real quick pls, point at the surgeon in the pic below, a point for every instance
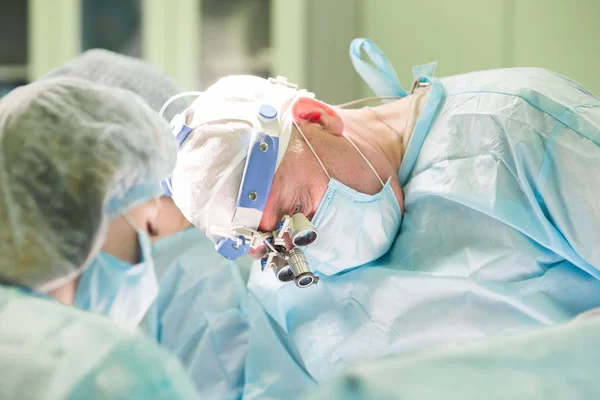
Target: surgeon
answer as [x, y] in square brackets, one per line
[198, 308]
[72, 156]
[459, 209]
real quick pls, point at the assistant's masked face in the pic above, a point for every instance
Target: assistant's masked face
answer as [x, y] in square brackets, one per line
[118, 289]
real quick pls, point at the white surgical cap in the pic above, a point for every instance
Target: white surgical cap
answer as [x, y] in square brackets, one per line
[210, 164]
[116, 70]
[72, 154]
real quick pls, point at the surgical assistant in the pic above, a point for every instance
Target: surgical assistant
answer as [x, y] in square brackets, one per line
[68, 156]
[163, 274]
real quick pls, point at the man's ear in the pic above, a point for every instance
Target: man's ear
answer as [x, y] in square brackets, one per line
[308, 111]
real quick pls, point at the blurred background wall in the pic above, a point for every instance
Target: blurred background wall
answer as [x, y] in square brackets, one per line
[196, 41]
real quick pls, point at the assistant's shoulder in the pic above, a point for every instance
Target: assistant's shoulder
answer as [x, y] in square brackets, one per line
[135, 368]
[78, 355]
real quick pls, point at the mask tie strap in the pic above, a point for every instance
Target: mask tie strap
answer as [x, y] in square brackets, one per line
[364, 158]
[312, 150]
[353, 145]
[367, 99]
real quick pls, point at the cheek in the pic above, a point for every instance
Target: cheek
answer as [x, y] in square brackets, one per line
[316, 195]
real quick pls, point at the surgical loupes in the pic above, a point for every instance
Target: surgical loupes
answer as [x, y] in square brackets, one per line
[291, 265]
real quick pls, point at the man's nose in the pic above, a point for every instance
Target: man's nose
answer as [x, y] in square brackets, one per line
[261, 251]
[258, 252]
[288, 242]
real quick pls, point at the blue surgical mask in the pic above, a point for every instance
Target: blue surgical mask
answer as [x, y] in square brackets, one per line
[354, 228]
[117, 289]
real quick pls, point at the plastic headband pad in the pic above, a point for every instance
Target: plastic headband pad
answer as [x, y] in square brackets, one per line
[259, 172]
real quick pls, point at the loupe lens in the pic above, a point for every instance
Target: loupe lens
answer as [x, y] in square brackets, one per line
[285, 274]
[304, 238]
[305, 281]
[302, 230]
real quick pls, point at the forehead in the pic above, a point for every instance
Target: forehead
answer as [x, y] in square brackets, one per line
[286, 105]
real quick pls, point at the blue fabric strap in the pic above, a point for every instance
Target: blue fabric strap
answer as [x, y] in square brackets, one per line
[379, 73]
[424, 70]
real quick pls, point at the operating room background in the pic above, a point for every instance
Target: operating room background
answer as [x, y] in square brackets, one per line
[196, 41]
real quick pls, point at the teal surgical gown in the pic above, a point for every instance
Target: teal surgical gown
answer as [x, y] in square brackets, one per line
[557, 363]
[200, 314]
[51, 351]
[500, 235]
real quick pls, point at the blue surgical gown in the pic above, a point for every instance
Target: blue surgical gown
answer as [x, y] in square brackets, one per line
[500, 233]
[554, 363]
[51, 351]
[200, 313]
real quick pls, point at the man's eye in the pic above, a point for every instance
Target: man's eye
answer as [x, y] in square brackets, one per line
[298, 207]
